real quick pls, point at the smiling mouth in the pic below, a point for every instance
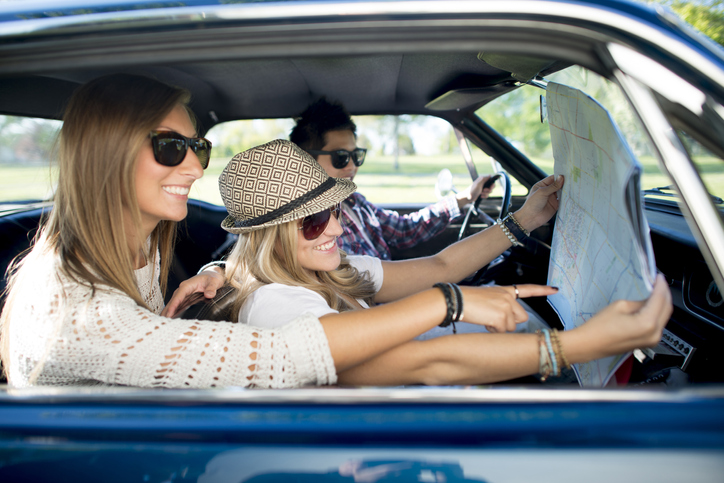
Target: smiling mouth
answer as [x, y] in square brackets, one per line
[325, 247]
[176, 190]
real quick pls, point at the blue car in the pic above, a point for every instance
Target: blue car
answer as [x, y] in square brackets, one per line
[441, 92]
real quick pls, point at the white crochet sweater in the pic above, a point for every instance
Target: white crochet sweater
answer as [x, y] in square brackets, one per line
[61, 333]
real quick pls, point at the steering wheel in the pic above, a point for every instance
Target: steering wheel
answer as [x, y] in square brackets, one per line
[473, 209]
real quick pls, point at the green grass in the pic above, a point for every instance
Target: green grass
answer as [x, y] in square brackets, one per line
[414, 181]
[27, 182]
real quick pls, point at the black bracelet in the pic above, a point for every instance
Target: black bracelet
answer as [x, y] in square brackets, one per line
[515, 229]
[459, 297]
[458, 306]
[447, 292]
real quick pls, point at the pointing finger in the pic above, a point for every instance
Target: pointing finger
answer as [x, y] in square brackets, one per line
[526, 290]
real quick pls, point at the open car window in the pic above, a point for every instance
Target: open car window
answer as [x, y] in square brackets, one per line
[709, 165]
[27, 164]
[405, 155]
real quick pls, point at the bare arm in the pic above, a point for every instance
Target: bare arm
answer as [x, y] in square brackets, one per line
[485, 358]
[402, 278]
[357, 336]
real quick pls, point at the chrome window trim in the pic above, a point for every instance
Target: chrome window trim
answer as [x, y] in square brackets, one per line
[366, 395]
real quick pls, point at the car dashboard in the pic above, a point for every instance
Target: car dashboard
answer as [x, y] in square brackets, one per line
[694, 336]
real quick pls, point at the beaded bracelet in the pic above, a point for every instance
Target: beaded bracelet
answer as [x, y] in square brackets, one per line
[545, 368]
[559, 350]
[513, 240]
[551, 352]
[552, 360]
[515, 228]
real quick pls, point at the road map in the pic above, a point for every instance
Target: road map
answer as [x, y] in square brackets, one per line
[601, 248]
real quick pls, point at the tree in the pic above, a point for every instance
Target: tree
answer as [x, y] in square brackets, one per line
[705, 16]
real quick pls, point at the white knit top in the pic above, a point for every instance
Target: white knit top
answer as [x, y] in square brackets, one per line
[62, 333]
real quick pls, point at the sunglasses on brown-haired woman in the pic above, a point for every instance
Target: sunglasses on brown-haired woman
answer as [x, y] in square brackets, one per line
[170, 147]
[314, 225]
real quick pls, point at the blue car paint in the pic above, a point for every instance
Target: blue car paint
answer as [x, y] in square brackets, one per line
[130, 437]
[328, 434]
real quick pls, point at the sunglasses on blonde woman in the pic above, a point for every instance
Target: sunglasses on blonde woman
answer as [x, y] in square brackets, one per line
[314, 225]
[169, 148]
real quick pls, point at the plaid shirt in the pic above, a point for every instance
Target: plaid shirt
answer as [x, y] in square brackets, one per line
[376, 230]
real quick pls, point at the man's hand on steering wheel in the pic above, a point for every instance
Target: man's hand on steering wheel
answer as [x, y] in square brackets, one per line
[474, 192]
[473, 208]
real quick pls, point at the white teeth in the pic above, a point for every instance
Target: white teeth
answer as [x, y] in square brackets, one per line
[176, 190]
[326, 246]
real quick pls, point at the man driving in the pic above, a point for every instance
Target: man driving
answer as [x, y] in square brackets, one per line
[326, 131]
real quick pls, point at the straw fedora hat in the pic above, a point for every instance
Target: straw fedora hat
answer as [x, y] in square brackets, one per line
[276, 183]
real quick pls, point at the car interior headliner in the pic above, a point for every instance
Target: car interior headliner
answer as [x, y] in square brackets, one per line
[444, 84]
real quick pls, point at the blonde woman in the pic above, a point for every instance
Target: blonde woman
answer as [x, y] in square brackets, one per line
[286, 261]
[85, 306]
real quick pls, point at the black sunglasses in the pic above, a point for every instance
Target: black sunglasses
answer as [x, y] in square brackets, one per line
[341, 157]
[169, 148]
[314, 225]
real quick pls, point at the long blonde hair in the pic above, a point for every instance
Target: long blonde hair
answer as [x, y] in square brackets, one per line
[105, 124]
[269, 255]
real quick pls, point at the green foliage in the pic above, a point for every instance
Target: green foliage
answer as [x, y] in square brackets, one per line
[705, 16]
[234, 137]
[27, 140]
[516, 115]
[377, 133]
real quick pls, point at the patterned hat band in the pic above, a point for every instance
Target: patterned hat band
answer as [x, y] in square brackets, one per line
[289, 207]
[276, 183]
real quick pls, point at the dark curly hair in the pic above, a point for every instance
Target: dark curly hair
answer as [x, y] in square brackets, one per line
[319, 118]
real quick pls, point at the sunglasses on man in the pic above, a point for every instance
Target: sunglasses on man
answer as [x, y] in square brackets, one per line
[314, 225]
[341, 157]
[170, 147]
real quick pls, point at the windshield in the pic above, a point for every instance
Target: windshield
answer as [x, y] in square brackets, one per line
[404, 155]
[529, 135]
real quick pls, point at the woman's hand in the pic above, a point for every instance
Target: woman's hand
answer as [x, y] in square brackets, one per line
[193, 290]
[541, 204]
[623, 326]
[496, 307]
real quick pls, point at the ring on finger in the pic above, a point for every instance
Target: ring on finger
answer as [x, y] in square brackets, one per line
[517, 294]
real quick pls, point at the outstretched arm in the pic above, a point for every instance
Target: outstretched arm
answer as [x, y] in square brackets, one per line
[484, 358]
[357, 336]
[402, 278]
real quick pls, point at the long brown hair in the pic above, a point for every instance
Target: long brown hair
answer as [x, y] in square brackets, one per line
[269, 255]
[105, 124]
